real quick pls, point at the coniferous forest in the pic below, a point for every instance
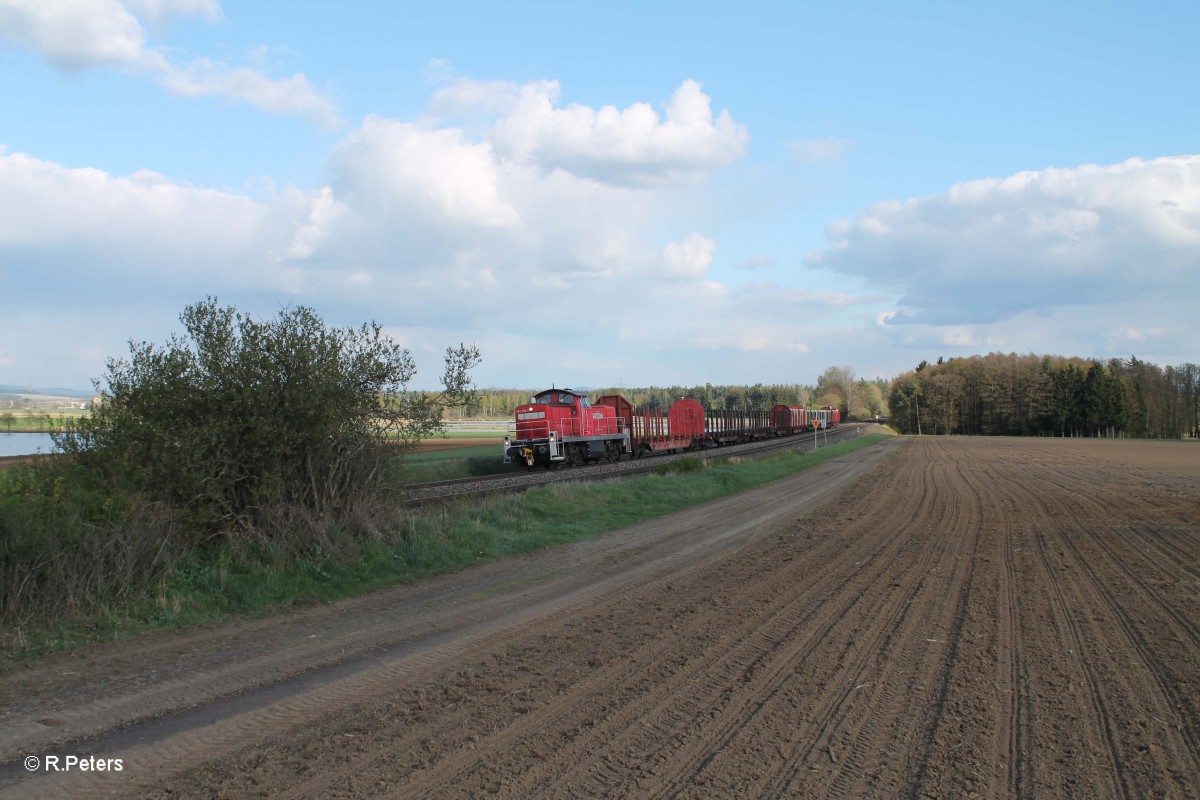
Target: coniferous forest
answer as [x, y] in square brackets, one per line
[1030, 395]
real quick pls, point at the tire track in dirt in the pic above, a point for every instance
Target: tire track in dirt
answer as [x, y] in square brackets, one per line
[745, 652]
[998, 596]
[1012, 672]
[1090, 618]
[1062, 611]
[996, 614]
[897, 660]
[930, 763]
[837, 603]
[1170, 701]
[754, 720]
[1171, 556]
[733, 713]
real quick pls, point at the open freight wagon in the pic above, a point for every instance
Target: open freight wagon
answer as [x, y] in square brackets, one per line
[652, 431]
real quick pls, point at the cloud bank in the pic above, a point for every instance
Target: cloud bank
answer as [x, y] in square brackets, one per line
[989, 250]
[493, 218]
[1095, 260]
[565, 240]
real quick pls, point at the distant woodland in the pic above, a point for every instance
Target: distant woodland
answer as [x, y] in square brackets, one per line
[994, 395]
[837, 386]
[1030, 395]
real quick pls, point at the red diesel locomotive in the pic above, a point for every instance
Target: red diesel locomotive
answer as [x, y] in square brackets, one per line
[560, 425]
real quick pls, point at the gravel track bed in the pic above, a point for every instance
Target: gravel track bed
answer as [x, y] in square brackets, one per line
[521, 480]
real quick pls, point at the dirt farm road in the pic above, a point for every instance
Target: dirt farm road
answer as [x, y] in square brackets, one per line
[925, 618]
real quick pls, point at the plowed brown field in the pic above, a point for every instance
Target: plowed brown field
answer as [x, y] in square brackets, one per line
[926, 618]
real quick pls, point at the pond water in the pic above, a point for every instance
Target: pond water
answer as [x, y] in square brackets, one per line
[25, 444]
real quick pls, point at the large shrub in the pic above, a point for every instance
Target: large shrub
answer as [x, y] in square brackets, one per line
[241, 420]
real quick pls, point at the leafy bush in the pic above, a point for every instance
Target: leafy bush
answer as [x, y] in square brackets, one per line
[240, 421]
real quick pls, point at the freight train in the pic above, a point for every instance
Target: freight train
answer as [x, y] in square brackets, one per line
[562, 426]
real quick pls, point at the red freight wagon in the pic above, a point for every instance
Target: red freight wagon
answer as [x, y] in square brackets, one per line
[788, 419]
[650, 430]
[560, 425]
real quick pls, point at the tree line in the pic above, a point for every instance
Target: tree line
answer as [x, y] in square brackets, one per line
[837, 386]
[1032, 395]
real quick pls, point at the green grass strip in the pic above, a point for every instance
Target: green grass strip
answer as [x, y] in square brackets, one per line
[564, 513]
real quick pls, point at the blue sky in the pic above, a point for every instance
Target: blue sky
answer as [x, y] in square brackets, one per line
[601, 194]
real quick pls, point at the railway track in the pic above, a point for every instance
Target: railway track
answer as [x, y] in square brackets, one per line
[421, 494]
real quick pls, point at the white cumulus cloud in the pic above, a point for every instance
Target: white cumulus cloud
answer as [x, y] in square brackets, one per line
[635, 145]
[78, 34]
[988, 250]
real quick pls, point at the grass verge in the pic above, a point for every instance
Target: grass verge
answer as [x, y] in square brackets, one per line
[460, 462]
[217, 583]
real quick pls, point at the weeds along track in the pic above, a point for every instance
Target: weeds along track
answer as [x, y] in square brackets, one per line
[922, 618]
[520, 480]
